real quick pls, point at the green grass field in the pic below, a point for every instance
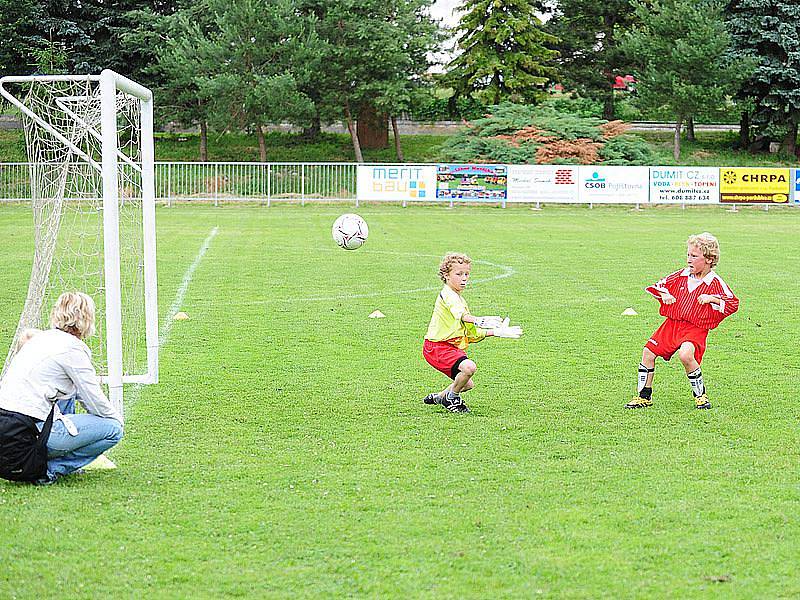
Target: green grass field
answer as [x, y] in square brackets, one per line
[286, 452]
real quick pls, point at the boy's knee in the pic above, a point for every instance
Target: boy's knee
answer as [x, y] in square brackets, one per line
[467, 367]
[648, 355]
[686, 353]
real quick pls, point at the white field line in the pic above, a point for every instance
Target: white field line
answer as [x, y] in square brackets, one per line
[507, 271]
[132, 396]
[169, 319]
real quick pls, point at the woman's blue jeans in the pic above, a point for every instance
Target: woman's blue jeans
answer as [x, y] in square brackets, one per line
[67, 453]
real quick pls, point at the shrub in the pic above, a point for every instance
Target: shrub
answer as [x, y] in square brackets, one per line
[523, 134]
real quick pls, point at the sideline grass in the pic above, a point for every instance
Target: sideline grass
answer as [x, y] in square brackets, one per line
[710, 149]
[281, 147]
[286, 452]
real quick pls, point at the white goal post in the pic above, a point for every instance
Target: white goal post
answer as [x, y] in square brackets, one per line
[90, 146]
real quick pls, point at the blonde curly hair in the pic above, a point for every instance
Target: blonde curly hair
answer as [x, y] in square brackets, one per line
[707, 244]
[74, 313]
[450, 259]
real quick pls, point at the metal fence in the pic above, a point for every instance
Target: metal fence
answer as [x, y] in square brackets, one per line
[265, 183]
[15, 183]
[220, 182]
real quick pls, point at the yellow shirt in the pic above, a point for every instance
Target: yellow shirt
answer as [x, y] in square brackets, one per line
[446, 324]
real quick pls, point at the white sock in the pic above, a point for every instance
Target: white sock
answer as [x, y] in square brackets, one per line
[643, 372]
[696, 380]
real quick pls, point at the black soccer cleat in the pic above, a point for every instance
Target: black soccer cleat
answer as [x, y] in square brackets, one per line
[463, 408]
[455, 404]
[432, 398]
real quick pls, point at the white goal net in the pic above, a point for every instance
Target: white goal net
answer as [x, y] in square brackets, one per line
[90, 146]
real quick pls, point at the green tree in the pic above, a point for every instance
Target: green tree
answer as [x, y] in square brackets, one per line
[769, 31]
[20, 35]
[49, 58]
[179, 67]
[93, 33]
[366, 57]
[504, 52]
[86, 36]
[228, 63]
[138, 33]
[681, 53]
[589, 33]
[253, 45]
[418, 37]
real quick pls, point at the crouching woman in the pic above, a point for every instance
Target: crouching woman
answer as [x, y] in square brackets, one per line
[55, 365]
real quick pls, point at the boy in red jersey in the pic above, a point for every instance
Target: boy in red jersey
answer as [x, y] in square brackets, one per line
[452, 329]
[693, 300]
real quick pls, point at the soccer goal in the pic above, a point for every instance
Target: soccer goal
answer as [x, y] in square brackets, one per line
[90, 146]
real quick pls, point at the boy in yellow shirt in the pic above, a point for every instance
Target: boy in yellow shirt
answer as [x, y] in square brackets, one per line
[451, 330]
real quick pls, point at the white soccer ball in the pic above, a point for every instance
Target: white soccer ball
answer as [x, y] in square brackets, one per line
[350, 231]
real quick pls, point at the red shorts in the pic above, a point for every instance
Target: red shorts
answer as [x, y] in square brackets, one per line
[666, 340]
[443, 357]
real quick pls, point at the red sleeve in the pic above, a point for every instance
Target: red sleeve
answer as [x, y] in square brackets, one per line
[730, 303]
[663, 285]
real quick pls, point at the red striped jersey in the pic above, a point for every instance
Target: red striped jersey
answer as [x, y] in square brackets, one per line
[686, 289]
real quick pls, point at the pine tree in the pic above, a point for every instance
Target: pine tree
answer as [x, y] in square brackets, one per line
[228, 62]
[20, 35]
[589, 32]
[504, 52]
[683, 63]
[769, 31]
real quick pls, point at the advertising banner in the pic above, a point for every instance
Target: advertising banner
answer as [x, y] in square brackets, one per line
[396, 182]
[542, 183]
[599, 184]
[796, 186]
[474, 183]
[754, 185]
[684, 185]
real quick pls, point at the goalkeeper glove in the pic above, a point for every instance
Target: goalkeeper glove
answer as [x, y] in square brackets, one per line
[488, 322]
[507, 331]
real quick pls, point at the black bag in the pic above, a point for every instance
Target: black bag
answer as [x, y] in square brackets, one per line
[23, 449]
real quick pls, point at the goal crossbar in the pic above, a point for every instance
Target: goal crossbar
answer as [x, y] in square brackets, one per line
[120, 82]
